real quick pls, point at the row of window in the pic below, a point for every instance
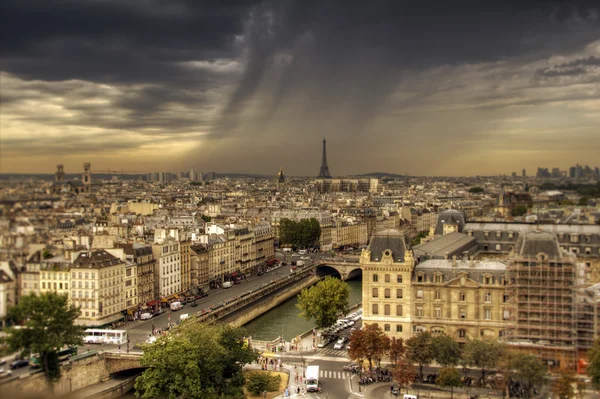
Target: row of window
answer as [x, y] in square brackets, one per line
[437, 278]
[387, 278]
[386, 309]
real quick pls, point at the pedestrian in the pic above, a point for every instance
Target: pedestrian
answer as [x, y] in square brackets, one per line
[119, 348]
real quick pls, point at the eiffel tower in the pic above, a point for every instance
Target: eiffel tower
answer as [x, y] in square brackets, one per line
[324, 172]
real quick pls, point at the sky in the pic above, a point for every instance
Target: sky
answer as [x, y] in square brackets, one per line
[419, 88]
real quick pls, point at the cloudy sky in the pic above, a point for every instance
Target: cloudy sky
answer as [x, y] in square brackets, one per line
[424, 88]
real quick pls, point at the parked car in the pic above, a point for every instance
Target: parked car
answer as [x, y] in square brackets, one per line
[146, 316]
[194, 304]
[17, 364]
[158, 312]
[339, 344]
[5, 373]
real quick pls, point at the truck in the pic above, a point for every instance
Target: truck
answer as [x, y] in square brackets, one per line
[176, 306]
[227, 284]
[300, 263]
[312, 379]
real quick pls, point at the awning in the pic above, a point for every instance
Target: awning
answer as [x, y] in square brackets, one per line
[234, 274]
[153, 303]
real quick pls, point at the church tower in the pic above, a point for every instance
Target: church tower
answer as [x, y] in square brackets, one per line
[280, 179]
[87, 177]
[60, 173]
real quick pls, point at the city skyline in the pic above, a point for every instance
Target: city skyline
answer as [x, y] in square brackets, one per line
[460, 88]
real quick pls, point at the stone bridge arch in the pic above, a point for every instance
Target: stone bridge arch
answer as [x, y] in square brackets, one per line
[343, 270]
[119, 362]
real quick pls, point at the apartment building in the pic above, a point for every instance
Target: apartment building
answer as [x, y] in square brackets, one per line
[97, 281]
[263, 242]
[345, 233]
[184, 248]
[167, 268]
[54, 274]
[199, 267]
[221, 257]
[143, 257]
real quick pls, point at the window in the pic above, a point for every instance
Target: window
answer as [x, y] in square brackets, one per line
[461, 296]
[462, 312]
[386, 310]
[462, 334]
[375, 293]
[387, 293]
[438, 278]
[399, 293]
[419, 294]
[386, 327]
[498, 247]
[399, 278]
[438, 295]
[43, 285]
[375, 309]
[419, 311]
[487, 297]
[487, 314]
[505, 298]
[419, 278]
[375, 278]
[398, 310]
[488, 280]
[438, 313]
[399, 328]
[574, 238]
[387, 278]
[502, 333]
[506, 314]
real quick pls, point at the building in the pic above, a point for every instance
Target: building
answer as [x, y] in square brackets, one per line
[143, 257]
[345, 233]
[387, 268]
[184, 248]
[324, 170]
[264, 244]
[8, 295]
[97, 287]
[199, 266]
[347, 185]
[167, 269]
[280, 179]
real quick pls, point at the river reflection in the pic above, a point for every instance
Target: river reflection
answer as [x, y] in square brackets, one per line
[284, 320]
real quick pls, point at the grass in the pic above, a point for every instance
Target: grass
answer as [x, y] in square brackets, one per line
[270, 395]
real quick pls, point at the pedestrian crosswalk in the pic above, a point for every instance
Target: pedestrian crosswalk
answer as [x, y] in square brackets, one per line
[339, 375]
[333, 352]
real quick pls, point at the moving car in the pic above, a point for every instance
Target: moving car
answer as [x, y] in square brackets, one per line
[340, 343]
[17, 364]
[194, 304]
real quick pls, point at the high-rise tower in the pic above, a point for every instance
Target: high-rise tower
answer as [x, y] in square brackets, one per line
[324, 172]
[87, 177]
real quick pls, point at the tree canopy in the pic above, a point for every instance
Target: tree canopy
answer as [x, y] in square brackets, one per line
[519, 210]
[528, 370]
[419, 350]
[476, 190]
[324, 301]
[196, 360]
[449, 377]
[446, 349]
[369, 343]
[48, 322]
[483, 354]
[304, 234]
[593, 369]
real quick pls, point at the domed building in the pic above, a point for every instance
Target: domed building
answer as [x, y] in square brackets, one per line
[280, 179]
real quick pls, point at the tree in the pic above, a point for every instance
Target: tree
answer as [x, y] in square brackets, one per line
[369, 343]
[563, 385]
[48, 322]
[583, 201]
[324, 301]
[305, 233]
[206, 218]
[259, 382]
[397, 350]
[446, 349]
[519, 210]
[593, 368]
[483, 354]
[476, 190]
[419, 350]
[196, 360]
[528, 371]
[404, 373]
[449, 377]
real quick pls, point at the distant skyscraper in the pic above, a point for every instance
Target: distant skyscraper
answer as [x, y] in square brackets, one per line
[524, 173]
[324, 172]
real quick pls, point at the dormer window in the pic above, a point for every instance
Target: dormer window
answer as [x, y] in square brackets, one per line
[438, 278]
[488, 280]
[420, 278]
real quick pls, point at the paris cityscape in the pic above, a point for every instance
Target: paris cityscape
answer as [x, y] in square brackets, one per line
[299, 199]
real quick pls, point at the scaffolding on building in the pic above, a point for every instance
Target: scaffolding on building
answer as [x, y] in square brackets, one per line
[542, 308]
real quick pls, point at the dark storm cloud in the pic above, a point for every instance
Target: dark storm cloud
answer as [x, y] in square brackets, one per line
[575, 68]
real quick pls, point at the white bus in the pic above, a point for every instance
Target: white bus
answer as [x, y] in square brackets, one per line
[97, 336]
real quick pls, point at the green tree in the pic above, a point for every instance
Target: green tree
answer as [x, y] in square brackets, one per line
[528, 371]
[419, 350]
[567, 202]
[449, 377]
[563, 385]
[476, 190]
[369, 343]
[206, 218]
[583, 201]
[196, 360]
[304, 234]
[417, 239]
[483, 354]
[446, 349]
[259, 382]
[519, 210]
[48, 322]
[324, 301]
[593, 368]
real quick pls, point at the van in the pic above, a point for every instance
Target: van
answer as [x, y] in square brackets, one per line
[176, 306]
[409, 396]
[146, 316]
[227, 284]
[287, 249]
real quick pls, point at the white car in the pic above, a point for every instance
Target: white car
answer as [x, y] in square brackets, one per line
[151, 340]
[146, 316]
[339, 344]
